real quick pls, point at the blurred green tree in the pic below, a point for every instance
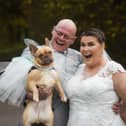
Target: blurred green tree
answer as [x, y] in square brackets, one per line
[35, 19]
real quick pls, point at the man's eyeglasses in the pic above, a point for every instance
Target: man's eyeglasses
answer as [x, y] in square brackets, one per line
[59, 33]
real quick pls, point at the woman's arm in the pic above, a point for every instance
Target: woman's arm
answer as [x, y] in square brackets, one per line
[119, 79]
[120, 87]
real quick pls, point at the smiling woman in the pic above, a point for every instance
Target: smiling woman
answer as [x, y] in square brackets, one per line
[92, 48]
[91, 91]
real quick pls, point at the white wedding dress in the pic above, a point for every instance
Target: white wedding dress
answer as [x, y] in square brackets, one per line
[91, 99]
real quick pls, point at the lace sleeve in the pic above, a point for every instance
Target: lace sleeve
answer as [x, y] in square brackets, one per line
[115, 67]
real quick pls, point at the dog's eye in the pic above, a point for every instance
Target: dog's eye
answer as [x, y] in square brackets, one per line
[49, 52]
[40, 56]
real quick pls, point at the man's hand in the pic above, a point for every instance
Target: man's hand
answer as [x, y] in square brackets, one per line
[120, 108]
[117, 107]
[29, 96]
[43, 93]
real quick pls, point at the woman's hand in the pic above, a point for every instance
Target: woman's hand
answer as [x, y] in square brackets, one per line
[117, 107]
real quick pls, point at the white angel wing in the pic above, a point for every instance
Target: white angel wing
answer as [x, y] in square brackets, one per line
[26, 51]
[28, 41]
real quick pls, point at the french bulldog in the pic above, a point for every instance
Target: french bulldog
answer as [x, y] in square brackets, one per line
[43, 76]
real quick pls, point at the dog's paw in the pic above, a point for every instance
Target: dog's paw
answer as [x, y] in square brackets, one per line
[64, 98]
[35, 99]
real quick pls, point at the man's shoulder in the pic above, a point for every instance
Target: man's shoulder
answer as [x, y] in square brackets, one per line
[73, 51]
[74, 54]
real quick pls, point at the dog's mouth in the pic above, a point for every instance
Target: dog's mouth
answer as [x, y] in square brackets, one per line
[46, 61]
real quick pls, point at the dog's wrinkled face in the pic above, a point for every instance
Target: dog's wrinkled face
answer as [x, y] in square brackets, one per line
[43, 56]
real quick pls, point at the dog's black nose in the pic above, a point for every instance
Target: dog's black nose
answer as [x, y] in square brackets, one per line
[46, 60]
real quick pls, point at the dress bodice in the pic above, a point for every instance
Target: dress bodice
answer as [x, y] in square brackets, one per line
[91, 98]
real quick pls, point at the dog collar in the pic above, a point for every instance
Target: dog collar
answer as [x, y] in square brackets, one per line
[41, 68]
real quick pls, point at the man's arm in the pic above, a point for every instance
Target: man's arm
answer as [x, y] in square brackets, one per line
[123, 111]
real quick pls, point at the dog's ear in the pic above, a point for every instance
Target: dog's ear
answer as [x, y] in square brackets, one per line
[33, 49]
[46, 41]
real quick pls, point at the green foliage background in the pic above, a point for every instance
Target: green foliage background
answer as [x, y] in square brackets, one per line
[35, 19]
